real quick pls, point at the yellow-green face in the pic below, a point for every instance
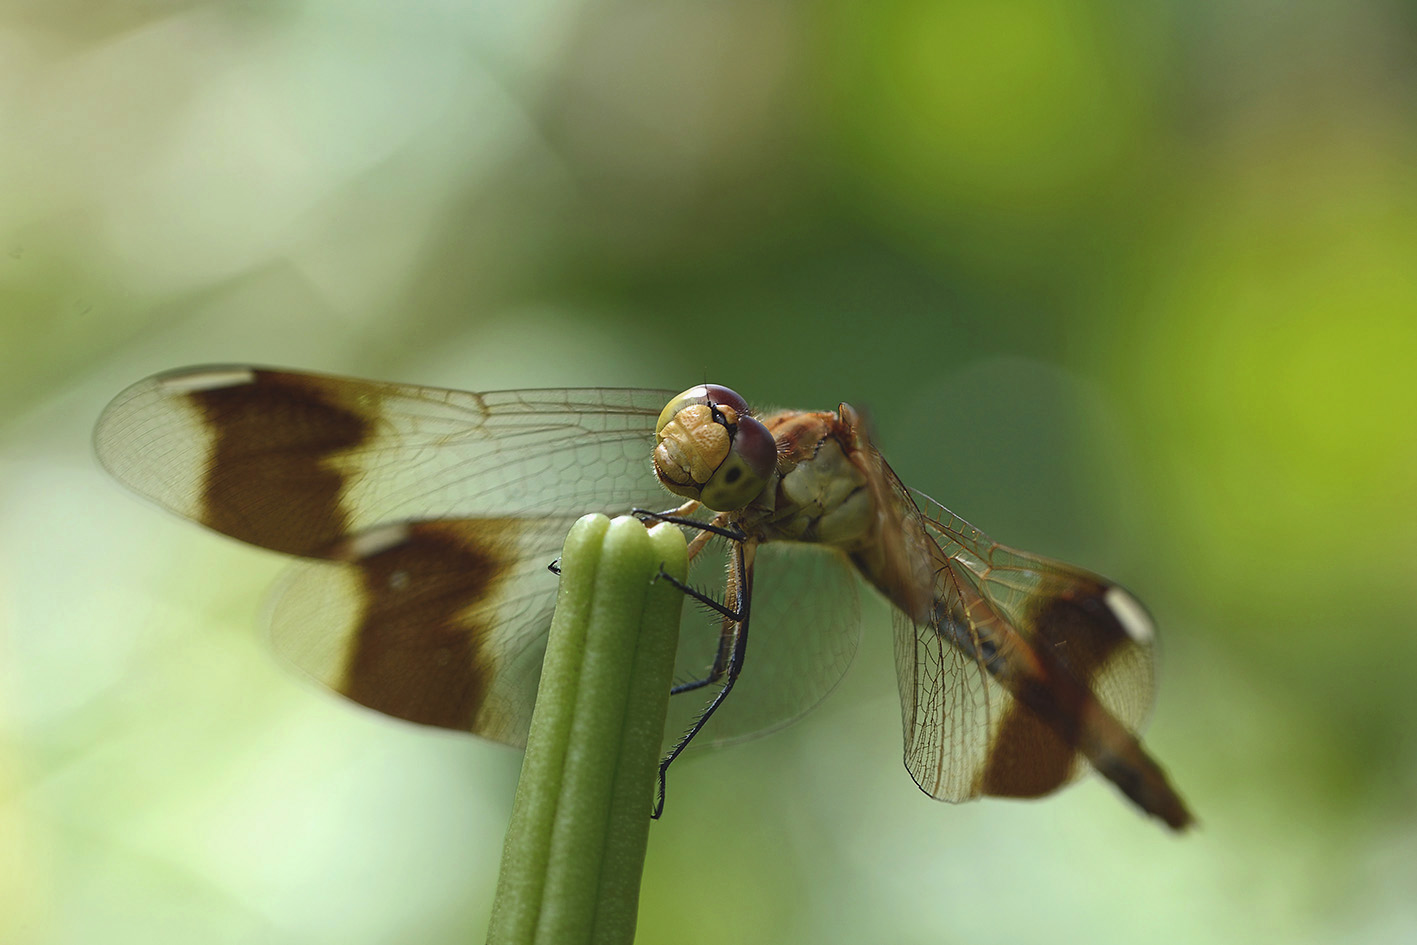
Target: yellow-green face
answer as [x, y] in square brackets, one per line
[710, 448]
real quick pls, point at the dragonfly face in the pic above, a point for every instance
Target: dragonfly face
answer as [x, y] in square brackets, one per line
[709, 448]
[424, 519]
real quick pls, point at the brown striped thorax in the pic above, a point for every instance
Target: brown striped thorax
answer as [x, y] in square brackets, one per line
[823, 492]
[422, 521]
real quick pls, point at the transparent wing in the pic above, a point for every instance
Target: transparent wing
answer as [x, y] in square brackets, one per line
[444, 623]
[948, 701]
[296, 462]
[430, 514]
[804, 628]
[1028, 589]
[965, 733]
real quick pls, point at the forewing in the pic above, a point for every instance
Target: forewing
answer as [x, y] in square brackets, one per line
[298, 462]
[804, 627]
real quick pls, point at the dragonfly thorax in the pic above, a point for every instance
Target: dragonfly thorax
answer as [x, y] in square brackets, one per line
[824, 499]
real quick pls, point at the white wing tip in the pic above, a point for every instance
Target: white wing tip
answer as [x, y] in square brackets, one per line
[1131, 615]
[183, 382]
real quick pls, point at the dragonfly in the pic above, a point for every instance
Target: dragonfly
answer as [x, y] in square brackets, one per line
[423, 521]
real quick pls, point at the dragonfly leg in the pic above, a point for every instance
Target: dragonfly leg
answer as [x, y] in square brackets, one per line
[725, 642]
[698, 595]
[732, 645]
[730, 532]
[723, 657]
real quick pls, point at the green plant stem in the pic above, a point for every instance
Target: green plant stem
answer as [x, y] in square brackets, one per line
[575, 847]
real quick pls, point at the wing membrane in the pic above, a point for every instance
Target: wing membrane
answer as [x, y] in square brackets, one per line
[1097, 629]
[428, 516]
[440, 622]
[805, 628]
[297, 462]
[1025, 669]
[444, 623]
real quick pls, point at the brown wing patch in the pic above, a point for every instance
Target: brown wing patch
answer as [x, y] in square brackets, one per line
[1076, 624]
[441, 622]
[416, 652]
[268, 477]
[1029, 758]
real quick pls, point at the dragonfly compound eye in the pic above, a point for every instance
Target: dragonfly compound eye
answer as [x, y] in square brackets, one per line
[709, 448]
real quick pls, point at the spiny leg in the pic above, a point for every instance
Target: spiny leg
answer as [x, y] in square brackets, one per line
[732, 645]
[720, 526]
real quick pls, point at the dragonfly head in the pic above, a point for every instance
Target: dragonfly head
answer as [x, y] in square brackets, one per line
[709, 447]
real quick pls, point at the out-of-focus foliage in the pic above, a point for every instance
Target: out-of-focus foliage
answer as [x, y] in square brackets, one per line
[1132, 284]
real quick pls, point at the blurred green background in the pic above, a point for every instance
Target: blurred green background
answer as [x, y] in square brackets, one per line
[1130, 284]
